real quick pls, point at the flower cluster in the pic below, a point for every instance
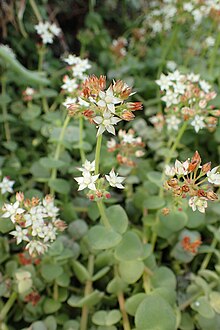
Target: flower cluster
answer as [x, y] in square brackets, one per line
[71, 83]
[6, 185]
[47, 31]
[191, 179]
[97, 187]
[128, 148]
[199, 10]
[186, 97]
[118, 47]
[35, 222]
[106, 107]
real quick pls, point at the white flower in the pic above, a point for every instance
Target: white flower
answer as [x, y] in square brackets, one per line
[20, 234]
[115, 180]
[106, 123]
[87, 166]
[83, 103]
[12, 210]
[171, 65]
[49, 208]
[36, 247]
[214, 176]
[108, 100]
[54, 29]
[188, 6]
[169, 170]
[193, 77]
[47, 31]
[164, 82]
[181, 168]
[68, 101]
[47, 38]
[205, 86]
[6, 185]
[71, 59]
[173, 123]
[87, 181]
[199, 203]
[35, 215]
[49, 233]
[170, 98]
[29, 91]
[69, 84]
[41, 27]
[111, 143]
[209, 41]
[198, 123]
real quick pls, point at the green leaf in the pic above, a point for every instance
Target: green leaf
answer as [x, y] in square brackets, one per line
[48, 162]
[174, 221]
[130, 248]
[81, 272]
[60, 185]
[117, 218]
[71, 325]
[153, 202]
[89, 300]
[154, 313]
[100, 273]
[106, 318]
[38, 325]
[133, 302]
[195, 219]
[155, 177]
[6, 225]
[51, 306]
[214, 299]
[50, 272]
[51, 323]
[131, 271]
[116, 285]
[31, 113]
[63, 280]
[101, 238]
[203, 307]
[164, 277]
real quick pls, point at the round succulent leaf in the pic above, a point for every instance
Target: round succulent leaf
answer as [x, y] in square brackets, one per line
[51, 323]
[186, 322]
[195, 219]
[71, 324]
[153, 202]
[163, 277]
[155, 313]
[214, 299]
[106, 318]
[130, 247]
[51, 306]
[168, 294]
[133, 302]
[50, 272]
[174, 221]
[116, 285]
[77, 229]
[39, 325]
[80, 271]
[60, 185]
[131, 271]
[101, 238]
[48, 162]
[203, 307]
[155, 177]
[118, 218]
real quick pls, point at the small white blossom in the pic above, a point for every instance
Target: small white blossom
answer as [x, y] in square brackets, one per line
[87, 181]
[171, 65]
[20, 234]
[87, 166]
[12, 210]
[83, 103]
[169, 170]
[115, 180]
[6, 185]
[170, 98]
[47, 31]
[205, 86]
[108, 100]
[68, 101]
[199, 203]
[69, 84]
[29, 91]
[111, 143]
[214, 176]
[173, 123]
[164, 82]
[36, 247]
[181, 168]
[209, 42]
[106, 123]
[198, 123]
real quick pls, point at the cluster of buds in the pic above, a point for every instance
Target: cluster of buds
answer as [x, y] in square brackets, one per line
[191, 179]
[36, 222]
[71, 83]
[106, 107]
[190, 246]
[186, 98]
[118, 47]
[28, 94]
[128, 147]
[97, 186]
[6, 185]
[47, 31]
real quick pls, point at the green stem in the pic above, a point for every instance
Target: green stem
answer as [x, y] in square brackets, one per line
[4, 111]
[208, 255]
[82, 153]
[41, 53]
[58, 148]
[6, 308]
[102, 212]
[97, 153]
[121, 300]
[214, 55]
[88, 290]
[35, 10]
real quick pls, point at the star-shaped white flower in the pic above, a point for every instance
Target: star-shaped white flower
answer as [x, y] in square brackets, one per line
[199, 203]
[87, 166]
[108, 100]
[87, 181]
[181, 168]
[115, 180]
[20, 234]
[106, 123]
[6, 185]
[12, 210]
[214, 176]
[198, 123]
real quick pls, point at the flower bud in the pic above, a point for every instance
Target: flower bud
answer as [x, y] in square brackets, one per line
[19, 196]
[211, 196]
[206, 167]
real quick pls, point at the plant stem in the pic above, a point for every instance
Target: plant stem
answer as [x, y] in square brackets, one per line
[82, 153]
[6, 308]
[35, 10]
[102, 212]
[41, 53]
[121, 300]
[97, 153]
[4, 111]
[208, 255]
[88, 290]
[58, 148]
[214, 55]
